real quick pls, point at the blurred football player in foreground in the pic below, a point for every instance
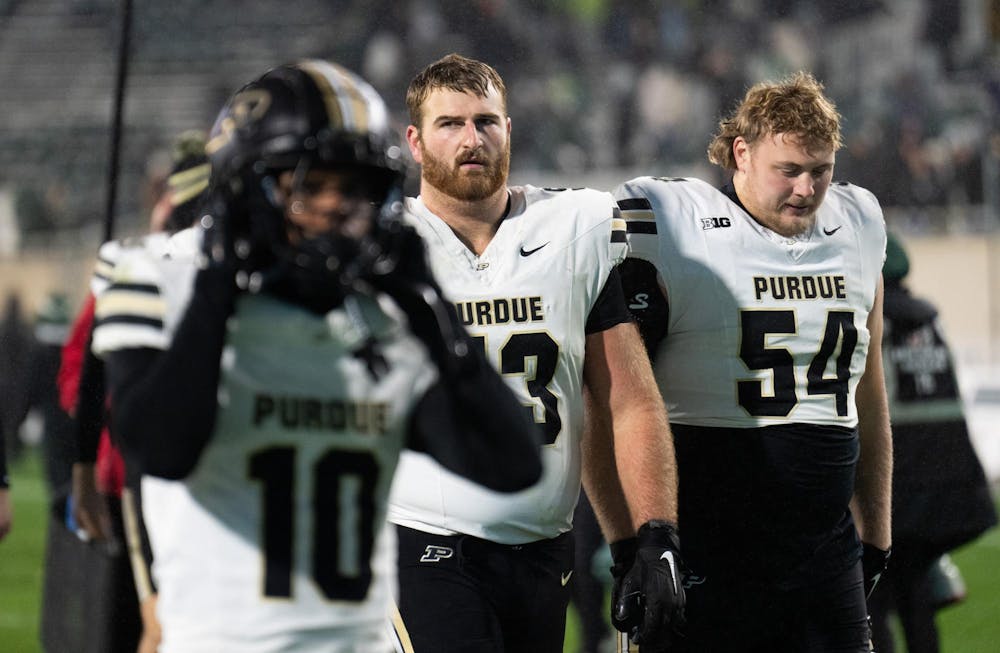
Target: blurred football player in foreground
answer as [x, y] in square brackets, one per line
[279, 368]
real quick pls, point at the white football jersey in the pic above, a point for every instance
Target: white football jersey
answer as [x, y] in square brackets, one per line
[526, 299]
[111, 251]
[763, 329]
[277, 539]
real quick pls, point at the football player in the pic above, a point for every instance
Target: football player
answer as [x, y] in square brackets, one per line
[532, 272]
[278, 373]
[761, 304]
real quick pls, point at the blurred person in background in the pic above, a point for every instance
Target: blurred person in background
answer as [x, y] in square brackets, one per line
[6, 510]
[51, 329]
[16, 345]
[104, 505]
[940, 495]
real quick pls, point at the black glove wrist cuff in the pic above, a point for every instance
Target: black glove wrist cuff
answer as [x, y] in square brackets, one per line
[875, 557]
[623, 551]
[658, 532]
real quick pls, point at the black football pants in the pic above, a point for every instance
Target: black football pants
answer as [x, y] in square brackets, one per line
[826, 617]
[461, 594]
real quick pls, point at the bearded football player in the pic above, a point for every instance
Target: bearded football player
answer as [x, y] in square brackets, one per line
[533, 272]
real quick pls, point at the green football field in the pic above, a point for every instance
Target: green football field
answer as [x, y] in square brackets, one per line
[970, 627]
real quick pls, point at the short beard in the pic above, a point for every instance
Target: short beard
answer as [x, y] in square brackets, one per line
[468, 187]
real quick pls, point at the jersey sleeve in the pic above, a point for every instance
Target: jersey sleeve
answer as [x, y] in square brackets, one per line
[132, 310]
[107, 258]
[647, 303]
[161, 329]
[608, 309]
[640, 220]
[642, 280]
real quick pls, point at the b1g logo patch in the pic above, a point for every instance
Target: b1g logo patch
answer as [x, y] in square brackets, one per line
[434, 553]
[715, 223]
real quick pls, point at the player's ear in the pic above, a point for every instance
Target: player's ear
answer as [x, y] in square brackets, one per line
[741, 152]
[413, 140]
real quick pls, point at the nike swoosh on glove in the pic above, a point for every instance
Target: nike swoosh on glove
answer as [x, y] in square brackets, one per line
[650, 603]
[873, 564]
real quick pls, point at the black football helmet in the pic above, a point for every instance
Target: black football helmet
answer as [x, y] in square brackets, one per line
[297, 117]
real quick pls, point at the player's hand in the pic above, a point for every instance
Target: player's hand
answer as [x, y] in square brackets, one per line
[90, 509]
[432, 318]
[217, 241]
[873, 563]
[626, 613]
[650, 602]
[151, 632]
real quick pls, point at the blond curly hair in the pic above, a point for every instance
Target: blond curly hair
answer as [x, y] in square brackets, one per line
[795, 105]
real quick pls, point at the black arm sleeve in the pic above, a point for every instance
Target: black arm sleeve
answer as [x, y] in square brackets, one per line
[609, 309]
[89, 406]
[646, 302]
[164, 403]
[475, 427]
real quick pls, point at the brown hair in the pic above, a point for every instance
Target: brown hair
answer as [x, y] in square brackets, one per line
[795, 105]
[456, 73]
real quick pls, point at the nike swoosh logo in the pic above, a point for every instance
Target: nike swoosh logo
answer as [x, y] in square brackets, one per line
[564, 577]
[830, 232]
[529, 252]
[669, 557]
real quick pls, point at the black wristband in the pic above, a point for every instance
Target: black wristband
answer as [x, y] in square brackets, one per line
[658, 532]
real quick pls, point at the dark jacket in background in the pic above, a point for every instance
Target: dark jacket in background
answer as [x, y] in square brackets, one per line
[941, 498]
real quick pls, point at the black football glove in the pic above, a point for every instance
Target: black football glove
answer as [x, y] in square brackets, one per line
[650, 602]
[622, 559]
[432, 318]
[873, 563]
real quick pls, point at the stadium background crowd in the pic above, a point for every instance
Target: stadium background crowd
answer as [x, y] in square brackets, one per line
[600, 91]
[598, 88]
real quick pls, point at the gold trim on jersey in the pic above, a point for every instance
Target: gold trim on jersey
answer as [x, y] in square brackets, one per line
[117, 301]
[103, 269]
[619, 229]
[636, 209]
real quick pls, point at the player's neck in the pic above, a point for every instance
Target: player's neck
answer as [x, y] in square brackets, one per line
[475, 222]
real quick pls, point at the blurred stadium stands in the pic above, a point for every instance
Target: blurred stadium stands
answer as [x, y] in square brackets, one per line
[599, 91]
